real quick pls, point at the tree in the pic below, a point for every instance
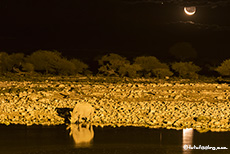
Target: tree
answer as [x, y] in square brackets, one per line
[80, 67]
[4, 58]
[224, 68]
[44, 61]
[15, 60]
[65, 67]
[8, 62]
[151, 66]
[183, 51]
[129, 70]
[50, 62]
[27, 67]
[186, 69]
[162, 72]
[111, 64]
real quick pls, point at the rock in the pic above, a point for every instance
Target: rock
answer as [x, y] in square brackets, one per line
[151, 104]
[202, 130]
[219, 97]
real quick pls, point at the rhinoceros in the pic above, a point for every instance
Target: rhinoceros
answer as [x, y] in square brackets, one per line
[80, 111]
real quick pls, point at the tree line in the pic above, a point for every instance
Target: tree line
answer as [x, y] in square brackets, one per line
[52, 62]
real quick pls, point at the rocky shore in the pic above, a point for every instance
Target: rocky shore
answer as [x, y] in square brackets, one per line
[137, 102]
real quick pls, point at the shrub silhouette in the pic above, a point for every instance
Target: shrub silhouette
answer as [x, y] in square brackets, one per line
[112, 64]
[44, 61]
[80, 67]
[129, 70]
[186, 69]
[65, 67]
[162, 72]
[224, 68]
[50, 62]
[151, 66]
[9, 62]
[27, 67]
[4, 58]
[15, 60]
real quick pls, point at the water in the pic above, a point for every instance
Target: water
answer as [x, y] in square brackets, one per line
[16, 139]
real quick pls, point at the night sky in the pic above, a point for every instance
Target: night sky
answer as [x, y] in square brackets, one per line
[85, 29]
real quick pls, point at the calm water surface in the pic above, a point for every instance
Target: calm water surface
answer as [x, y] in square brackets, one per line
[16, 139]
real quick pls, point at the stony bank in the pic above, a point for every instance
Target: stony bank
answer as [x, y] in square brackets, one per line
[137, 102]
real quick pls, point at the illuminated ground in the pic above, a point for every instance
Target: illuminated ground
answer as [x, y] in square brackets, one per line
[119, 102]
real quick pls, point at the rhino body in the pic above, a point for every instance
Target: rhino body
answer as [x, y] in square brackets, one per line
[80, 111]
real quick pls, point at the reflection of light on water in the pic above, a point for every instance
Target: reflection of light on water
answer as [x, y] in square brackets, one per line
[82, 134]
[187, 138]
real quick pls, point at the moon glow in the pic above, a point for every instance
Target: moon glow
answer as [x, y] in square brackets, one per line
[190, 10]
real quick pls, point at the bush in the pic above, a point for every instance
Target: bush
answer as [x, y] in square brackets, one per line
[112, 64]
[129, 70]
[44, 61]
[162, 72]
[8, 62]
[27, 67]
[15, 60]
[151, 66]
[4, 58]
[50, 62]
[80, 67]
[186, 69]
[65, 67]
[224, 68]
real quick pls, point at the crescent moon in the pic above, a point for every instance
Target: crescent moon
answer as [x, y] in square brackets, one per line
[190, 10]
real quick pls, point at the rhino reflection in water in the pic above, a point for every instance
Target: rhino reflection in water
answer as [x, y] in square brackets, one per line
[82, 110]
[82, 134]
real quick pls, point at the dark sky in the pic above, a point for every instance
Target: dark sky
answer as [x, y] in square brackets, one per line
[84, 28]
